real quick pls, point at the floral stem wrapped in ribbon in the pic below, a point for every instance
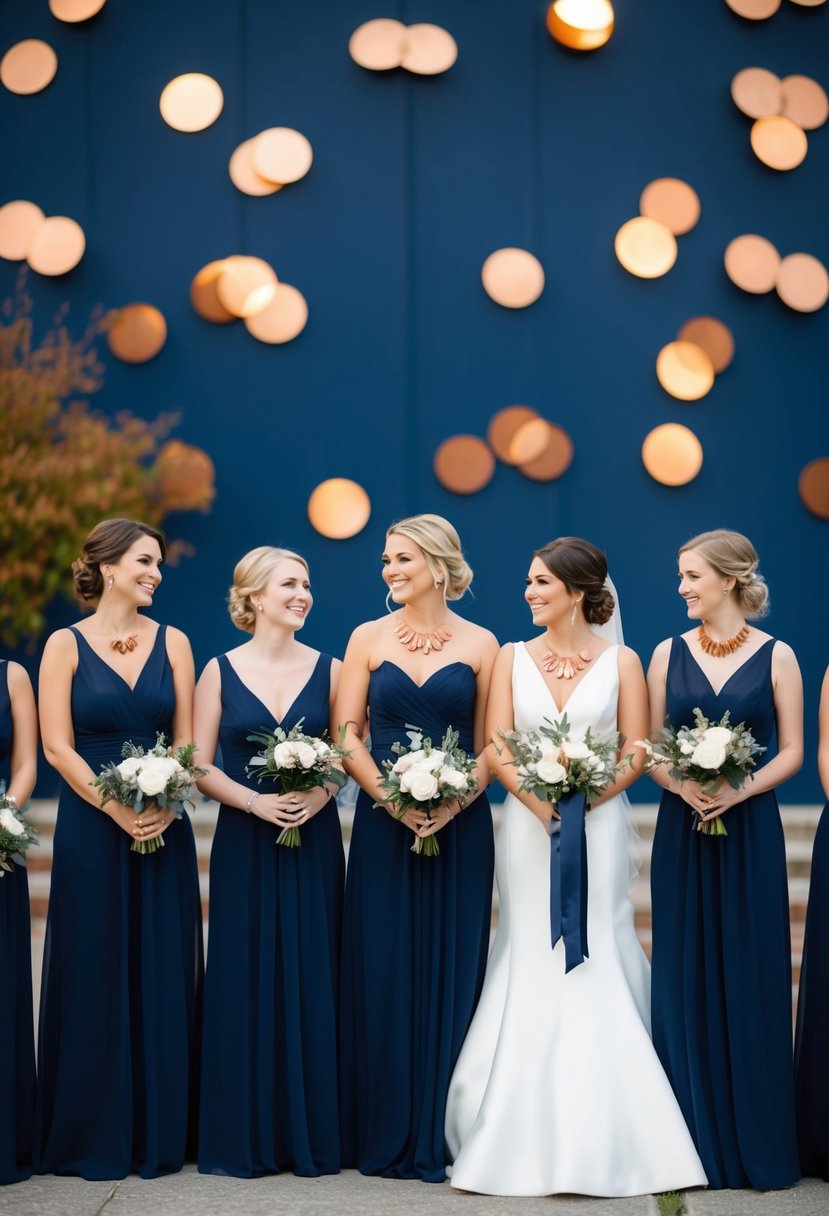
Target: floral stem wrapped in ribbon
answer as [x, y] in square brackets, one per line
[425, 777]
[708, 753]
[567, 771]
[15, 834]
[299, 763]
[161, 776]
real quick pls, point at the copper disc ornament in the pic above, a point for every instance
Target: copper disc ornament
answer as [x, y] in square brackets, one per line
[645, 247]
[752, 262]
[378, 45]
[72, 11]
[204, 295]
[283, 319]
[137, 333]
[685, 370]
[672, 202]
[246, 285]
[804, 101]
[191, 102]
[555, 458]
[504, 426]
[513, 278]
[672, 454]
[282, 155]
[429, 50]
[754, 10]
[802, 282]
[339, 508]
[244, 176]
[581, 25]
[57, 246]
[464, 464]
[715, 338]
[779, 143]
[28, 67]
[757, 92]
[813, 487]
[19, 221]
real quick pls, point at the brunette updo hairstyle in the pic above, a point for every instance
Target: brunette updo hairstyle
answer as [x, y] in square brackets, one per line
[250, 577]
[106, 545]
[441, 547]
[581, 567]
[733, 556]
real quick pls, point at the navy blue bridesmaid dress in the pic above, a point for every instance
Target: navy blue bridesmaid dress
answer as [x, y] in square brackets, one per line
[269, 1063]
[17, 1090]
[812, 1039]
[122, 968]
[721, 978]
[415, 942]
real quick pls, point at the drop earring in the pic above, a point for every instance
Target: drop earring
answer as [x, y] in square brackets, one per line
[573, 617]
[110, 582]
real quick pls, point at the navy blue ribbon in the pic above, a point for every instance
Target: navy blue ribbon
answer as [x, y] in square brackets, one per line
[568, 880]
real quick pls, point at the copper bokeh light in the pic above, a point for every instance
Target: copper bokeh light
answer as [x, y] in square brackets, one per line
[339, 508]
[581, 25]
[672, 454]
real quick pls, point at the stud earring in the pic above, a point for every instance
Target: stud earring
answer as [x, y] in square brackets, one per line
[438, 583]
[259, 608]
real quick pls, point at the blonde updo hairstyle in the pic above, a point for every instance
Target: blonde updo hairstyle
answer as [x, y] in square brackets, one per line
[105, 546]
[581, 567]
[250, 577]
[733, 556]
[441, 547]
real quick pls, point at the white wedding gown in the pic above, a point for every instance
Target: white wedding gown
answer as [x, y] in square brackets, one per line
[558, 1088]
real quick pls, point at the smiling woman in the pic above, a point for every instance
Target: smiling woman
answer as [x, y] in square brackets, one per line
[123, 937]
[271, 986]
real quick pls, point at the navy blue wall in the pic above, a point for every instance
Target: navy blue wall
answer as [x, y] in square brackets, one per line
[415, 181]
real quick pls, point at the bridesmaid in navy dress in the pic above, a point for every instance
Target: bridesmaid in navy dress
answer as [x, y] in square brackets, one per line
[18, 761]
[416, 929]
[269, 1065]
[812, 1041]
[721, 980]
[123, 956]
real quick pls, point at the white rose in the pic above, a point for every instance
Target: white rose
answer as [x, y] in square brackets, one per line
[421, 785]
[10, 822]
[321, 748]
[406, 762]
[575, 750]
[434, 760]
[305, 754]
[709, 755]
[550, 771]
[154, 775]
[595, 762]
[284, 755]
[686, 748]
[452, 778]
[129, 767]
[718, 734]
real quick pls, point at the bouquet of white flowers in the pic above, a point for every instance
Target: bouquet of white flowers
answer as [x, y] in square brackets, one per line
[15, 834]
[552, 764]
[425, 777]
[160, 775]
[708, 753]
[298, 762]
[568, 771]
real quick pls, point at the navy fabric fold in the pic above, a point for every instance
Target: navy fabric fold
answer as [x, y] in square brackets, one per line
[568, 880]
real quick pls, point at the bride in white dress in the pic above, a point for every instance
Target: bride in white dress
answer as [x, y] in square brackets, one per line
[558, 1088]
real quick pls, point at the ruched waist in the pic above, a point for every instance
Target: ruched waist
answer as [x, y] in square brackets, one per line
[99, 749]
[381, 748]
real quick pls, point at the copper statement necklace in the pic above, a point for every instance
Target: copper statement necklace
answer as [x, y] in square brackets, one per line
[125, 645]
[565, 666]
[718, 650]
[427, 641]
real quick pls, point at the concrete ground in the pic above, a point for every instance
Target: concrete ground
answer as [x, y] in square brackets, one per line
[349, 1194]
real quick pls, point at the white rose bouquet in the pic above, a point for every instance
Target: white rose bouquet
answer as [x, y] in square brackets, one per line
[160, 775]
[708, 753]
[15, 834]
[298, 762]
[424, 777]
[553, 764]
